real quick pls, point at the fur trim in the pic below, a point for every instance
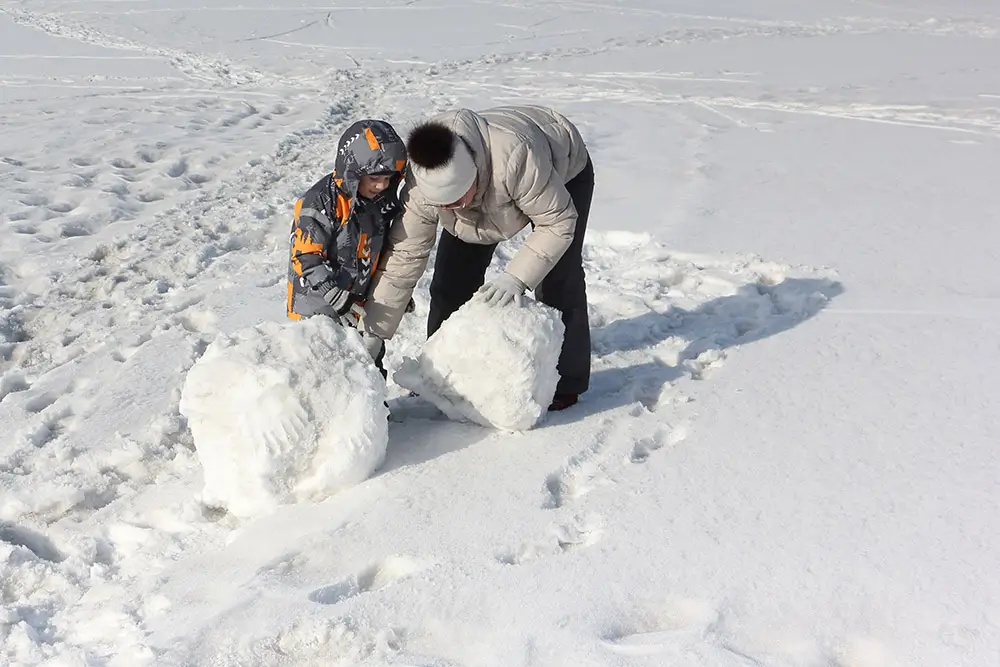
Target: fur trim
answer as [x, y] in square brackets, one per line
[431, 145]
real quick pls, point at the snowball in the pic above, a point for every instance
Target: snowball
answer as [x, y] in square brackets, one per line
[284, 412]
[493, 366]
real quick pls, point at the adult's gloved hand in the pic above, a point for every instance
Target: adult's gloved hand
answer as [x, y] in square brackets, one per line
[374, 344]
[502, 291]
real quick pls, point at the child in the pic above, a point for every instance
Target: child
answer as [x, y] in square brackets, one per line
[340, 226]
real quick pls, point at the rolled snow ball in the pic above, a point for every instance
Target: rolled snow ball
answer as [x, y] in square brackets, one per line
[285, 412]
[492, 366]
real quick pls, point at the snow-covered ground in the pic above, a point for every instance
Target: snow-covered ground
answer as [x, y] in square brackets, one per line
[788, 457]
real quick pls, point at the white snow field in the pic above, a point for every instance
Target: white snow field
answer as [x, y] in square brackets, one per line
[788, 455]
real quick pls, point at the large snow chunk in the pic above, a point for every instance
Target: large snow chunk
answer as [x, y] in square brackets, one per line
[493, 366]
[285, 412]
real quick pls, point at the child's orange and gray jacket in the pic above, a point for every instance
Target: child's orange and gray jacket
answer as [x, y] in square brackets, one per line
[337, 235]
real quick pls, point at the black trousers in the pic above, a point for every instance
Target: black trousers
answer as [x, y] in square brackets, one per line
[380, 364]
[460, 270]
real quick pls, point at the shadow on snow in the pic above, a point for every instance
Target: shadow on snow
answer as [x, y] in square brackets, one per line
[755, 312]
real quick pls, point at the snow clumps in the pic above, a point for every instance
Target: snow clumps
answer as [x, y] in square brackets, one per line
[493, 366]
[285, 412]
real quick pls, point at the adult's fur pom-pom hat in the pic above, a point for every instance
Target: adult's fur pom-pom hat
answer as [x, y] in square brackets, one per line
[441, 162]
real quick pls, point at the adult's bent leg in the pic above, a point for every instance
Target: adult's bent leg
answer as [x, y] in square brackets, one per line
[459, 270]
[565, 289]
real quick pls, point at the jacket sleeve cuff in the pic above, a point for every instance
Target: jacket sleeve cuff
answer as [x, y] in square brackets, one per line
[529, 267]
[383, 320]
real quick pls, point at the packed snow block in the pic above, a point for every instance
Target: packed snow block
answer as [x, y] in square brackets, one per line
[285, 412]
[493, 366]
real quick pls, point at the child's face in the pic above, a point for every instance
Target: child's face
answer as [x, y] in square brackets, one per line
[371, 186]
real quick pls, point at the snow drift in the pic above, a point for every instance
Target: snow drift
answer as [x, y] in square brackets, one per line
[284, 412]
[493, 366]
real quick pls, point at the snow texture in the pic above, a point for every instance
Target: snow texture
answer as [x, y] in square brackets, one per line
[284, 413]
[492, 366]
[787, 456]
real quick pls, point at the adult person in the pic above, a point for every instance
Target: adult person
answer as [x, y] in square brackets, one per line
[483, 177]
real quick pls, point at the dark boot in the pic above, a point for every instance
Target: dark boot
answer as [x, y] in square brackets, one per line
[563, 401]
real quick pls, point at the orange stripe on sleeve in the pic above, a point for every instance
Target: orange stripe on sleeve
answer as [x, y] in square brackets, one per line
[303, 245]
[292, 315]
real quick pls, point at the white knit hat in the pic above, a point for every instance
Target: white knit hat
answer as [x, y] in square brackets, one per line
[449, 182]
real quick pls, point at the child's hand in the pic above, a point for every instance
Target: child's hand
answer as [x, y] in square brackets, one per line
[353, 316]
[339, 299]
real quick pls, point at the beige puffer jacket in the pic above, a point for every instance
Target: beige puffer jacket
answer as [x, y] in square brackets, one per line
[525, 155]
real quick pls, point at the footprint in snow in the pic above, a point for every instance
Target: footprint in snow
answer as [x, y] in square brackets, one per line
[693, 630]
[663, 437]
[150, 155]
[582, 530]
[590, 467]
[38, 544]
[74, 230]
[122, 163]
[150, 196]
[178, 168]
[51, 424]
[25, 229]
[12, 383]
[62, 207]
[235, 118]
[196, 321]
[671, 627]
[38, 403]
[131, 346]
[373, 578]
[581, 473]
[31, 199]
